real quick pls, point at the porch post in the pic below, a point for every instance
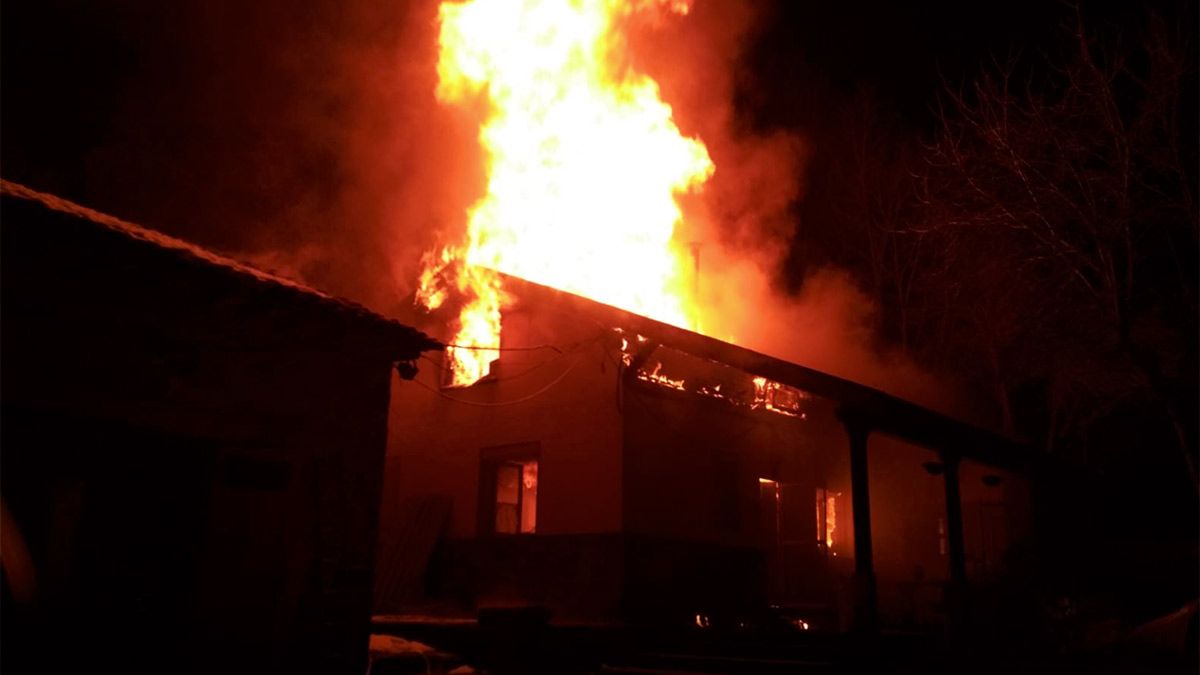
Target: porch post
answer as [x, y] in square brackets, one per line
[866, 610]
[954, 543]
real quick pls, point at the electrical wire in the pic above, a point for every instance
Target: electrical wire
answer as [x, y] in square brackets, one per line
[507, 377]
[505, 349]
[501, 404]
[569, 349]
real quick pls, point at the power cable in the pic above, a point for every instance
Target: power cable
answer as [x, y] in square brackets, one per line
[501, 404]
[505, 349]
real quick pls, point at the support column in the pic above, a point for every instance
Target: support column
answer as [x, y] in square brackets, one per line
[866, 603]
[955, 592]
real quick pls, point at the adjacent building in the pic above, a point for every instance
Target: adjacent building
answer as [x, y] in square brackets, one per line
[192, 452]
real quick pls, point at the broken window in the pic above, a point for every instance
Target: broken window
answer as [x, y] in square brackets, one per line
[466, 366]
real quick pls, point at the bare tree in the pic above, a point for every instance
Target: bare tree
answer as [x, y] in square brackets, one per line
[867, 193]
[1062, 206]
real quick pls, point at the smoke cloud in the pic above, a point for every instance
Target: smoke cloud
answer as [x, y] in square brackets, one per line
[745, 220]
[305, 137]
[409, 168]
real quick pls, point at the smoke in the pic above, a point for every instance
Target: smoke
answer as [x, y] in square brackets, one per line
[745, 220]
[305, 137]
[300, 135]
[409, 168]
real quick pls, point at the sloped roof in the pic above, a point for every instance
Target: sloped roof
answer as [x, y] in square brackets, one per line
[857, 403]
[407, 338]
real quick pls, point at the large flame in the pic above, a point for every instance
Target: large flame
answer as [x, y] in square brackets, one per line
[584, 166]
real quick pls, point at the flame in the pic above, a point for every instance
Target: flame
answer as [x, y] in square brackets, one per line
[778, 398]
[827, 517]
[585, 163]
[760, 390]
[830, 519]
[658, 377]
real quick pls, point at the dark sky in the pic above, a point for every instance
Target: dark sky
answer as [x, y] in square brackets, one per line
[75, 74]
[900, 50]
[225, 121]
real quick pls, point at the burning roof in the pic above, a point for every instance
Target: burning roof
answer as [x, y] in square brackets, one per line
[585, 166]
[587, 173]
[879, 411]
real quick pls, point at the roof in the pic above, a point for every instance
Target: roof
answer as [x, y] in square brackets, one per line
[875, 410]
[408, 339]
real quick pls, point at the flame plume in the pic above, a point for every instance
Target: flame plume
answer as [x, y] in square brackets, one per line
[584, 166]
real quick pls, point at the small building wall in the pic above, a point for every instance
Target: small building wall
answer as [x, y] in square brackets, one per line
[191, 454]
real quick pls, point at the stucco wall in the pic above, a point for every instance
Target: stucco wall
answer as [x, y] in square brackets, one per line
[563, 402]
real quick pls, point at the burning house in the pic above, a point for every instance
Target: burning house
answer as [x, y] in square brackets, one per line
[192, 453]
[625, 464]
[612, 467]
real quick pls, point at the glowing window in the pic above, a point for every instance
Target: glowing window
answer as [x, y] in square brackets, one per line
[827, 515]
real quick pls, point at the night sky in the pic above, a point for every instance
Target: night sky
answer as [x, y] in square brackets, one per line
[901, 51]
[226, 122]
[101, 98]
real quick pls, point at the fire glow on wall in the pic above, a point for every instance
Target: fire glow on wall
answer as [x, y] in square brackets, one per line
[584, 166]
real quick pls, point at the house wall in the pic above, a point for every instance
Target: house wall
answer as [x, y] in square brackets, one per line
[563, 404]
[646, 495]
[997, 523]
[694, 499]
[908, 510]
[652, 501]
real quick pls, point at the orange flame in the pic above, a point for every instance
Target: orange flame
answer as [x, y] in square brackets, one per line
[830, 519]
[584, 166]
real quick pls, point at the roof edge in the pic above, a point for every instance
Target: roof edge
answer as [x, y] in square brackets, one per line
[879, 411]
[198, 253]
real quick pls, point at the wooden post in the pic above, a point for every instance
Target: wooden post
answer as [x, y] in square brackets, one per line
[955, 605]
[866, 608]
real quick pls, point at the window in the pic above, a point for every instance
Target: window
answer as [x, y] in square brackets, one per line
[509, 490]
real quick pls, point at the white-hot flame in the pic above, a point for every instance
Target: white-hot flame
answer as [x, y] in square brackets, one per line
[584, 167]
